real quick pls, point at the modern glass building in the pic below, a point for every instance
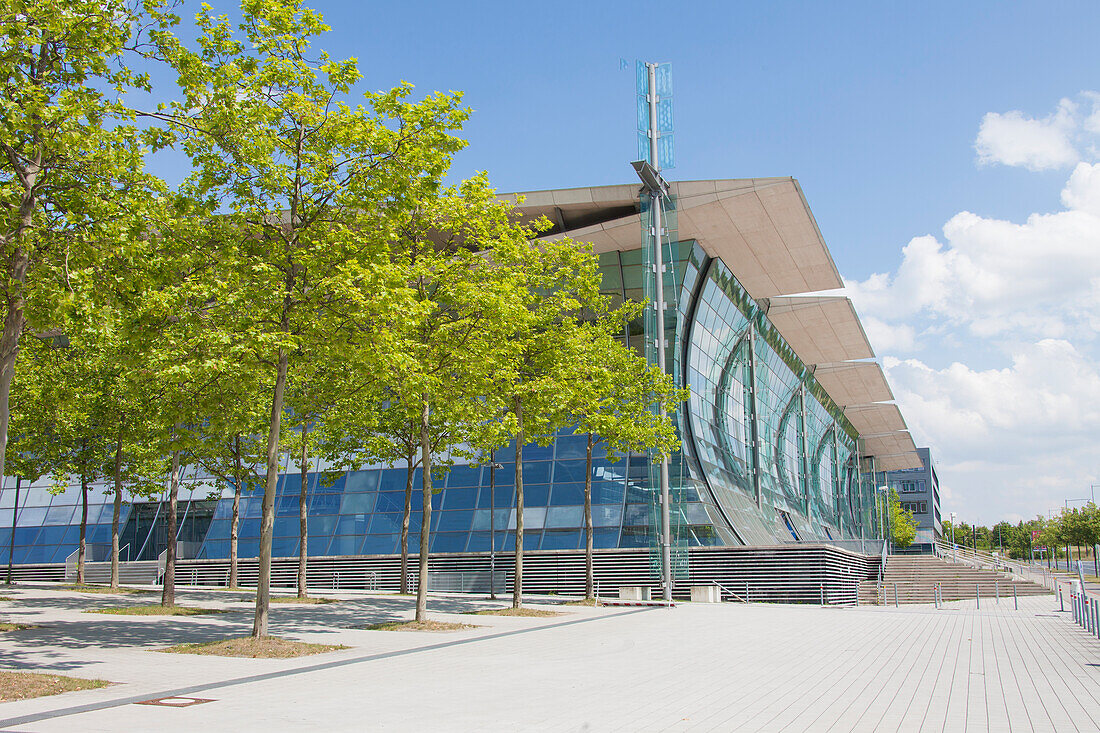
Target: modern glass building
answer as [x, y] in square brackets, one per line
[789, 417]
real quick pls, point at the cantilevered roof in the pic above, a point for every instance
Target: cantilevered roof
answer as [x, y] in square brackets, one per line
[763, 230]
[876, 419]
[821, 330]
[854, 382]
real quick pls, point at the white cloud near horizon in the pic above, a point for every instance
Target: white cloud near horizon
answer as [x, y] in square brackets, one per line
[1017, 434]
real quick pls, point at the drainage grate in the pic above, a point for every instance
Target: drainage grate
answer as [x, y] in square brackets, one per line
[174, 702]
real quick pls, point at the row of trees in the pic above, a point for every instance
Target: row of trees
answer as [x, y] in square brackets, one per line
[312, 288]
[1073, 528]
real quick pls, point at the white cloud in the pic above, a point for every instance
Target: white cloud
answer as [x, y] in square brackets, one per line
[1039, 278]
[1011, 138]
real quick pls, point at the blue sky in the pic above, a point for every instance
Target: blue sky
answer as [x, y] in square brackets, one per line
[896, 118]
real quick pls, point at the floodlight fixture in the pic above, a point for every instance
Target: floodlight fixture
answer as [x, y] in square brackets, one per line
[651, 179]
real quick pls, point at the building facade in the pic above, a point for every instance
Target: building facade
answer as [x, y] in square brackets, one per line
[919, 493]
[788, 421]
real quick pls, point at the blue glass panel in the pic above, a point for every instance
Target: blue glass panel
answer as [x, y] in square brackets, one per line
[56, 535]
[607, 515]
[388, 523]
[571, 446]
[249, 528]
[393, 479]
[506, 454]
[460, 498]
[325, 504]
[638, 494]
[636, 515]
[224, 509]
[287, 505]
[355, 524]
[479, 542]
[437, 500]
[252, 506]
[504, 497]
[469, 475]
[607, 492]
[248, 547]
[603, 538]
[449, 542]
[454, 521]
[533, 452]
[537, 473]
[564, 494]
[327, 482]
[531, 540]
[536, 495]
[564, 516]
[571, 471]
[393, 501]
[285, 546]
[26, 535]
[383, 544]
[32, 516]
[5, 538]
[635, 537]
[345, 545]
[362, 481]
[358, 503]
[561, 540]
[506, 476]
[321, 525]
[218, 530]
[99, 534]
[215, 550]
[60, 515]
[287, 527]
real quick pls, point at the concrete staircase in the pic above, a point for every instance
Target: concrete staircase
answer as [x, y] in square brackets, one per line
[916, 577]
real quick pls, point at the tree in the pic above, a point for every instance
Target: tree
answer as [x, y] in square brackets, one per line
[311, 187]
[562, 287]
[614, 396]
[67, 148]
[902, 525]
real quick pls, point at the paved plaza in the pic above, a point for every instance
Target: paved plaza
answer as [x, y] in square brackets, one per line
[698, 667]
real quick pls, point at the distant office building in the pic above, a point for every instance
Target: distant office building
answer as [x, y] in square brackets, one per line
[919, 492]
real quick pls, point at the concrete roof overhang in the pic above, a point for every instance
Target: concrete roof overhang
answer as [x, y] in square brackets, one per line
[821, 330]
[854, 382]
[764, 231]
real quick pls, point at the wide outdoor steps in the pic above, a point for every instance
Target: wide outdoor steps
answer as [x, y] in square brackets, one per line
[916, 577]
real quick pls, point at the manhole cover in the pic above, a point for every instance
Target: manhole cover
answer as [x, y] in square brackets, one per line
[174, 702]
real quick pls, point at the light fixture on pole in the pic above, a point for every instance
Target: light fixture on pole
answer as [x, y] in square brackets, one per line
[657, 189]
[493, 466]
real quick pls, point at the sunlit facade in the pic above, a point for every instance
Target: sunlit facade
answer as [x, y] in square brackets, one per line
[787, 414]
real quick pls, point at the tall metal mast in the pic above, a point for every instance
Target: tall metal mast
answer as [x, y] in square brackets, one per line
[657, 188]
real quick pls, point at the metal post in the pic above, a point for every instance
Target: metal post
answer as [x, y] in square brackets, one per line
[658, 261]
[895, 595]
[492, 524]
[1015, 600]
[821, 589]
[997, 590]
[977, 597]
[754, 417]
[1061, 606]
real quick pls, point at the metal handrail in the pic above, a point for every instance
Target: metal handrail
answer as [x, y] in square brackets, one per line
[727, 590]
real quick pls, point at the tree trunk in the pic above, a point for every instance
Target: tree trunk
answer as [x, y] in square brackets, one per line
[402, 584]
[82, 551]
[588, 579]
[517, 589]
[303, 517]
[267, 522]
[234, 526]
[13, 329]
[117, 512]
[14, 516]
[425, 513]
[168, 594]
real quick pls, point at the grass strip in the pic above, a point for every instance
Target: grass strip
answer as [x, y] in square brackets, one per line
[267, 647]
[427, 625]
[121, 590]
[296, 599]
[156, 610]
[529, 612]
[9, 626]
[24, 685]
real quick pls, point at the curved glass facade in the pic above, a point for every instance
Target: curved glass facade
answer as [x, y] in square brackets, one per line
[766, 458]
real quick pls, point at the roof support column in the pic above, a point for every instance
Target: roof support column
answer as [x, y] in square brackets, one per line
[754, 417]
[804, 454]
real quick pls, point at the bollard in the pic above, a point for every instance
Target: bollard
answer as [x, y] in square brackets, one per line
[1015, 600]
[1061, 607]
[997, 590]
[821, 589]
[895, 595]
[746, 591]
[977, 597]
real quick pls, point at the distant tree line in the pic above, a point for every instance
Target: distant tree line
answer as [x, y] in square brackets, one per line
[1072, 533]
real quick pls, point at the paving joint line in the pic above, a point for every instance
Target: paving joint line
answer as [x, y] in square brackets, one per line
[263, 677]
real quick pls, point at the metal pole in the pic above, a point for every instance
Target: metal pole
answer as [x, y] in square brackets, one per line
[895, 595]
[977, 597]
[492, 524]
[1015, 600]
[14, 514]
[658, 261]
[997, 590]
